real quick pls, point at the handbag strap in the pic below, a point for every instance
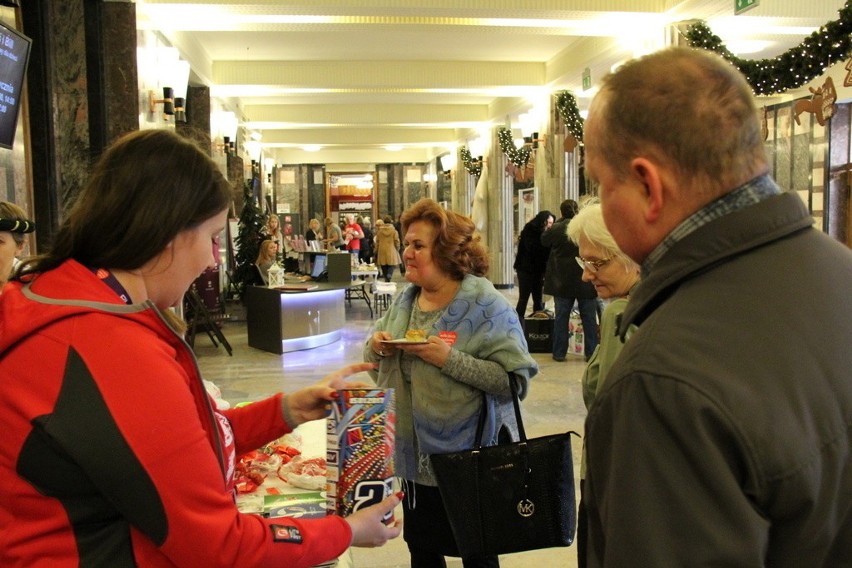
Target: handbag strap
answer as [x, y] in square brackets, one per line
[480, 425]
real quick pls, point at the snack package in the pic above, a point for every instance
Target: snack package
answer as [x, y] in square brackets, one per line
[360, 445]
[298, 505]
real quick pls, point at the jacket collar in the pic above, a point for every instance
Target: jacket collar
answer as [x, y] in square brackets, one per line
[714, 244]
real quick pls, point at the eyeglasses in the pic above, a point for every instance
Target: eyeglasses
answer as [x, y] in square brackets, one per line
[591, 265]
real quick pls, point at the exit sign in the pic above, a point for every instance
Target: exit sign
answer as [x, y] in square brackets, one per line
[587, 79]
[741, 6]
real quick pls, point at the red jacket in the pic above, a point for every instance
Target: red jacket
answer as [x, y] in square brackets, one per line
[110, 453]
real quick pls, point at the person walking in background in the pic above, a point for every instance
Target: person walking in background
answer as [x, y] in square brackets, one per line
[112, 453]
[365, 256]
[721, 435]
[531, 262]
[398, 226]
[613, 275]
[13, 226]
[441, 385]
[563, 280]
[387, 245]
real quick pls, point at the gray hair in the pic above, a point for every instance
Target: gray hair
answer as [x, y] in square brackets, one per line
[589, 223]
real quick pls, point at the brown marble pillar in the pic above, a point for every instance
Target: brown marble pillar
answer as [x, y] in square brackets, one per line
[197, 125]
[121, 85]
[82, 92]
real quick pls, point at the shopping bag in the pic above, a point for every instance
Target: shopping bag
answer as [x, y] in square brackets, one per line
[510, 497]
[575, 334]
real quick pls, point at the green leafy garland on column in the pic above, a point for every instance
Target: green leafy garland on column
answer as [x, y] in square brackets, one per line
[473, 167]
[518, 156]
[566, 107]
[791, 69]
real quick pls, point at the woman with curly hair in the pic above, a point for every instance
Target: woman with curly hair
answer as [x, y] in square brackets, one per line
[471, 339]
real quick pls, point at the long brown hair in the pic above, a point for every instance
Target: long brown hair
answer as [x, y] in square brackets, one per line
[146, 188]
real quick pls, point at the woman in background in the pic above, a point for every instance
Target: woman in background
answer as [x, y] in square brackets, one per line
[333, 235]
[13, 226]
[473, 343]
[614, 275]
[266, 256]
[365, 256]
[272, 230]
[531, 262]
[313, 233]
[387, 247]
[112, 453]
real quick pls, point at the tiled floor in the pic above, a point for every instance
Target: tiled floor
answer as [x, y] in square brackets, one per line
[554, 404]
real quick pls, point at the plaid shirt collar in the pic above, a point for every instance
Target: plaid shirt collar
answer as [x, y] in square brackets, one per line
[748, 194]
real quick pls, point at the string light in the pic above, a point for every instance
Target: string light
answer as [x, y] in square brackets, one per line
[793, 68]
[518, 156]
[566, 107]
[473, 167]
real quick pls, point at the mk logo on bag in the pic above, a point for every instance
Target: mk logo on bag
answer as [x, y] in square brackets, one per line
[526, 508]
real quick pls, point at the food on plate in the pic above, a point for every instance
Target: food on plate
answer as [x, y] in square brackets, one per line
[415, 335]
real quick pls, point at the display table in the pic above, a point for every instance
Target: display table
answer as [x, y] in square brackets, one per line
[313, 436]
[281, 321]
[362, 280]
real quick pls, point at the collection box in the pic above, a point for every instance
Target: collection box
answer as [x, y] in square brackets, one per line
[360, 446]
[539, 334]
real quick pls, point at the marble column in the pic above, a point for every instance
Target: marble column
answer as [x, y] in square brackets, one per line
[197, 125]
[500, 214]
[82, 94]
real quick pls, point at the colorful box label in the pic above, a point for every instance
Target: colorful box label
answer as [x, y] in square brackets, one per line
[360, 445]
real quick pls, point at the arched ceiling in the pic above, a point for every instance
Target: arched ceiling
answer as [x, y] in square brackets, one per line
[356, 76]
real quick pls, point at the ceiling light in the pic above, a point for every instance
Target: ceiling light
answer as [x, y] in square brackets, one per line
[312, 148]
[393, 148]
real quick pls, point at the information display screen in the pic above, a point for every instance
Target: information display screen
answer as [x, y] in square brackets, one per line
[14, 56]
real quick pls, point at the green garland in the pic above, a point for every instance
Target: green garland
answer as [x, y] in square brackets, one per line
[472, 166]
[566, 106]
[518, 156]
[795, 67]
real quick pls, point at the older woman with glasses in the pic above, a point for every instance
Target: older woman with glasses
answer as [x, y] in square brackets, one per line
[613, 275]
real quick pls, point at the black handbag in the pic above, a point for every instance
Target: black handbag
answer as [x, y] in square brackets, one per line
[510, 497]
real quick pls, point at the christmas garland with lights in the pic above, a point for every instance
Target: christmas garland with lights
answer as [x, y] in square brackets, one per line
[473, 167]
[566, 107]
[791, 69]
[518, 156]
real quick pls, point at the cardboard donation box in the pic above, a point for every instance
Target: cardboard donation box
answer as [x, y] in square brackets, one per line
[539, 334]
[360, 445]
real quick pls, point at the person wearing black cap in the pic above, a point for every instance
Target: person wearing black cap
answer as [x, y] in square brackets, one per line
[13, 225]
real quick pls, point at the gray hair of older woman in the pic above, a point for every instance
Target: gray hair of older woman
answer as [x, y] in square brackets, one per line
[589, 223]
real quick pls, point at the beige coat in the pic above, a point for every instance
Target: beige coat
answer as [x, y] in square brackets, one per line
[387, 246]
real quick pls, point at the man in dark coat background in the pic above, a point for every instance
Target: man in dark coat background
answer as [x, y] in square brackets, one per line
[563, 279]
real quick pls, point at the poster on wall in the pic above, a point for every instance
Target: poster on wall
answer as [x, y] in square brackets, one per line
[527, 206]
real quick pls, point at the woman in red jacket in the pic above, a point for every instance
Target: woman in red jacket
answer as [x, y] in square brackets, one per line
[111, 453]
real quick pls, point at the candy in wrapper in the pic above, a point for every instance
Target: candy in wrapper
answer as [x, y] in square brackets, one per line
[360, 445]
